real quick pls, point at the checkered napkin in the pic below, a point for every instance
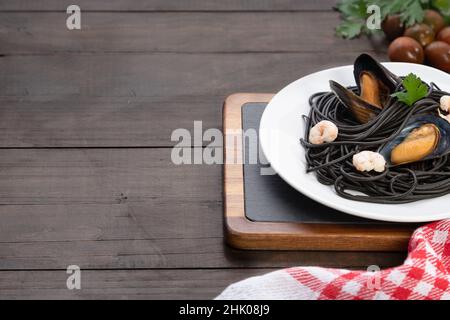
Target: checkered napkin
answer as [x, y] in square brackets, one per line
[425, 274]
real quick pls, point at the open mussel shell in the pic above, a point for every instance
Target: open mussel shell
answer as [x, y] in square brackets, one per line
[366, 63]
[362, 110]
[424, 137]
[375, 85]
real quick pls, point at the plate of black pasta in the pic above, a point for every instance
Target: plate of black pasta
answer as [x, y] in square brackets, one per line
[370, 139]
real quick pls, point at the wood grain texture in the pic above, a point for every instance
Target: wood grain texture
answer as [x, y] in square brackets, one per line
[197, 253]
[131, 100]
[175, 88]
[127, 80]
[171, 5]
[126, 284]
[84, 176]
[125, 208]
[61, 121]
[188, 32]
[158, 75]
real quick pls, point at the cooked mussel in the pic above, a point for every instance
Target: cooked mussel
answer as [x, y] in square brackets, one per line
[424, 137]
[366, 63]
[375, 85]
[363, 110]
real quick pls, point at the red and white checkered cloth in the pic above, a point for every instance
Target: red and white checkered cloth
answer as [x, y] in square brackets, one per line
[425, 274]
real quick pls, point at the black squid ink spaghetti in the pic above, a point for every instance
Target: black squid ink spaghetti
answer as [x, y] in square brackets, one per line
[386, 140]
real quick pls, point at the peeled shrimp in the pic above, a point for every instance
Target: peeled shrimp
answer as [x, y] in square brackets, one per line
[445, 103]
[368, 161]
[322, 132]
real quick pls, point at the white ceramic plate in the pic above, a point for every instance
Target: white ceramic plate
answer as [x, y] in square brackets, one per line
[282, 127]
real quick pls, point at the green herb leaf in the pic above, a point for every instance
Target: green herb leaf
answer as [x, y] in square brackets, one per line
[354, 13]
[349, 29]
[353, 8]
[413, 12]
[390, 6]
[415, 90]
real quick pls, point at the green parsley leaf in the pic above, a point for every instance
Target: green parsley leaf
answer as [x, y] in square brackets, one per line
[390, 7]
[415, 90]
[349, 29]
[353, 8]
[413, 13]
[354, 13]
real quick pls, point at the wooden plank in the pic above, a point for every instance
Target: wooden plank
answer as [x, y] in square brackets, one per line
[30, 33]
[126, 284]
[125, 208]
[138, 221]
[108, 176]
[173, 253]
[132, 100]
[158, 75]
[61, 121]
[164, 5]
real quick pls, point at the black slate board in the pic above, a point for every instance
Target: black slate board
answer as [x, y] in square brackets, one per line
[269, 199]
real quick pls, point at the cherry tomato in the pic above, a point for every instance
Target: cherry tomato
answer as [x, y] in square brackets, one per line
[422, 33]
[438, 55]
[393, 27]
[435, 20]
[405, 49]
[444, 35]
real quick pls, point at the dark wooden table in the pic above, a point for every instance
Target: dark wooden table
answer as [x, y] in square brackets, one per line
[86, 119]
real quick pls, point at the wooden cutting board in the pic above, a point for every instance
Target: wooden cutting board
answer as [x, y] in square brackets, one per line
[262, 212]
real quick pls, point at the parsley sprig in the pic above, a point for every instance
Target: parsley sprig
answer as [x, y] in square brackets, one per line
[415, 90]
[354, 13]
